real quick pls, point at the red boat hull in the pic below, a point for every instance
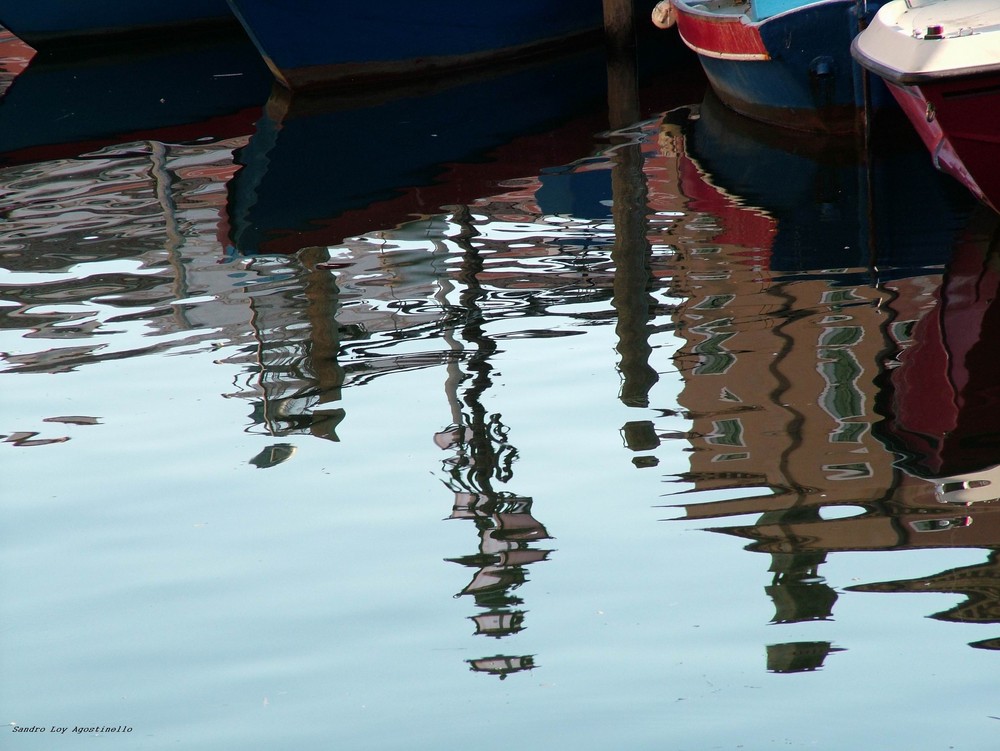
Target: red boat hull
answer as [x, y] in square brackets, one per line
[958, 119]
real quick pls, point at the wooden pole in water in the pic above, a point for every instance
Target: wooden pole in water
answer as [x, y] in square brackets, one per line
[619, 21]
[623, 89]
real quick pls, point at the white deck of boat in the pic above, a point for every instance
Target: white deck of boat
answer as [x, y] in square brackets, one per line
[896, 40]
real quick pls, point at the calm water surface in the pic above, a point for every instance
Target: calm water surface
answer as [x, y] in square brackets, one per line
[378, 426]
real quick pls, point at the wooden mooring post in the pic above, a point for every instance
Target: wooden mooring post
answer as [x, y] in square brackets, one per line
[623, 87]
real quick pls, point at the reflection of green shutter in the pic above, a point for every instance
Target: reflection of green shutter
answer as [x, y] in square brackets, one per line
[731, 457]
[902, 331]
[726, 433]
[714, 358]
[849, 432]
[841, 369]
[841, 336]
[714, 302]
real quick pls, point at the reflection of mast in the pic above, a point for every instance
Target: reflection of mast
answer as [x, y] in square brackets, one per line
[482, 456]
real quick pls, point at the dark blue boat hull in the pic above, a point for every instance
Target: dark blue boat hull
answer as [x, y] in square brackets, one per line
[316, 42]
[45, 24]
[808, 80]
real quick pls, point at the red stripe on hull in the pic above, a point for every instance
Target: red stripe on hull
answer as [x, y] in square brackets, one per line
[720, 35]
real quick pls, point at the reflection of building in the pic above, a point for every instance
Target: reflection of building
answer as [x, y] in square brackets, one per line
[140, 222]
[979, 584]
[784, 376]
[797, 657]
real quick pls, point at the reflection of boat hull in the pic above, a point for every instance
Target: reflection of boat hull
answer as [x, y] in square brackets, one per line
[321, 169]
[45, 23]
[948, 84]
[59, 107]
[309, 42]
[943, 407]
[792, 69]
[834, 205]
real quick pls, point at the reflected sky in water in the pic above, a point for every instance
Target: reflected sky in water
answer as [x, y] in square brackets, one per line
[682, 435]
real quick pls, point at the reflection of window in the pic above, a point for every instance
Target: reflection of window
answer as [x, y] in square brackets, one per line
[856, 471]
[849, 432]
[835, 296]
[940, 525]
[726, 433]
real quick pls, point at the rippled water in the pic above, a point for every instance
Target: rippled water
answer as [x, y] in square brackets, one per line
[685, 441]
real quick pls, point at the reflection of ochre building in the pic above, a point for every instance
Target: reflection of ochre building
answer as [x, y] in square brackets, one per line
[803, 421]
[782, 383]
[780, 372]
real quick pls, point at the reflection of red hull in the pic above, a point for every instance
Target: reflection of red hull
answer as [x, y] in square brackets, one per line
[944, 407]
[959, 121]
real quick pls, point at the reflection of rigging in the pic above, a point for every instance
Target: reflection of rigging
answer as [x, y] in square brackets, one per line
[481, 457]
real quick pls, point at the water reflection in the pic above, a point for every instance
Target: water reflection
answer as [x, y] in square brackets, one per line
[482, 458]
[99, 252]
[809, 322]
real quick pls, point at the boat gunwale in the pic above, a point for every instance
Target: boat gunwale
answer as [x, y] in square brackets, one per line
[916, 78]
[744, 18]
[718, 18]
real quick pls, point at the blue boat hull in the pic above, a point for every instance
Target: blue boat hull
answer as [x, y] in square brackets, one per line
[793, 69]
[45, 23]
[317, 42]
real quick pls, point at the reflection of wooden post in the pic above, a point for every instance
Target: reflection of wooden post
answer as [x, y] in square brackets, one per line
[633, 278]
[632, 251]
